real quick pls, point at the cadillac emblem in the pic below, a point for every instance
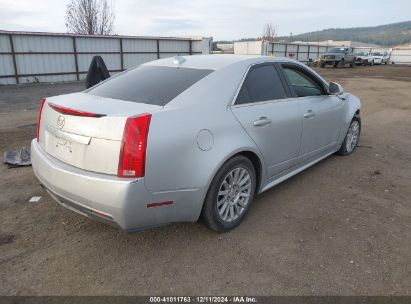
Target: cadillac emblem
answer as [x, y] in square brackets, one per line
[60, 122]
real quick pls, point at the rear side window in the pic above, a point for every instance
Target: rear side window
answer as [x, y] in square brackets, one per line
[262, 83]
[156, 85]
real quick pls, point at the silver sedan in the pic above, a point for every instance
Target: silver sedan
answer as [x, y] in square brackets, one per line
[188, 138]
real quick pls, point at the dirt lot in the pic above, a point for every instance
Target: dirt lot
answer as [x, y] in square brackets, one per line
[340, 228]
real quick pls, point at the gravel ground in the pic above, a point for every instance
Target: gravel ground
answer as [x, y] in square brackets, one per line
[341, 227]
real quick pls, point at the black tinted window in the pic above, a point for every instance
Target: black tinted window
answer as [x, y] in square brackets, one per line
[155, 85]
[262, 83]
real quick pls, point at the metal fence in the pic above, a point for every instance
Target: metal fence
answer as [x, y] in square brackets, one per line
[303, 53]
[306, 52]
[300, 52]
[48, 57]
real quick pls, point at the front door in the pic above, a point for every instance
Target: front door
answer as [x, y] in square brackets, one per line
[322, 114]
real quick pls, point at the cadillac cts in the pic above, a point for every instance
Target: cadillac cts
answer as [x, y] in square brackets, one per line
[184, 138]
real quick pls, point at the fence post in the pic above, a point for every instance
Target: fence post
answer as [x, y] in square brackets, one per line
[13, 53]
[285, 51]
[308, 54]
[75, 58]
[191, 47]
[121, 54]
[158, 48]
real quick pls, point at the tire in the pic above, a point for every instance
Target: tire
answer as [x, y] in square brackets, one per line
[223, 212]
[341, 63]
[348, 147]
[336, 64]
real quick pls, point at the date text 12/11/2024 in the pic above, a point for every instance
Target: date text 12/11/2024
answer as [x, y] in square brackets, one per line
[203, 299]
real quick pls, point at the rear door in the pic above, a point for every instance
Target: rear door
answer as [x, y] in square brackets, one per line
[322, 114]
[269, 117]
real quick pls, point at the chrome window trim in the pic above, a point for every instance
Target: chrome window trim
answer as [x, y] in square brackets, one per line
[278, 100]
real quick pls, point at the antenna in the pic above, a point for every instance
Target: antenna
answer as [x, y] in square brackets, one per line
[178, 60]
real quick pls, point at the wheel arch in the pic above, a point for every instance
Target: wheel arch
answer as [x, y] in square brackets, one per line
[353, 110]
[254, 156]
[256, 159]
[258, 167]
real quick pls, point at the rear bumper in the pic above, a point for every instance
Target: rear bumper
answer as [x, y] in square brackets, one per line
[109, 199]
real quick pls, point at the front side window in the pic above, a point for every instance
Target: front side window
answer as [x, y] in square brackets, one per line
[262, 83]
[156, 85]
[302, 84]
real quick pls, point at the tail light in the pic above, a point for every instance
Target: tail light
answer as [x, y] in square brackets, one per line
[39, 118]
[132, 160]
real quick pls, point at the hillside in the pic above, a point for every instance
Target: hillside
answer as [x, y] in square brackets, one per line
[387, 35]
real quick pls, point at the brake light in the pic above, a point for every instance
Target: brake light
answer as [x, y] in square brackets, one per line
[132, 160]
[69, 111]
[39, 118]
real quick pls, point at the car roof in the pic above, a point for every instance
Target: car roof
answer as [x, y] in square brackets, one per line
[214, 62]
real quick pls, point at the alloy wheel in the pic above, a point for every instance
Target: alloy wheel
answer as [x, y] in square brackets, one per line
[352, 136]
[234, 194]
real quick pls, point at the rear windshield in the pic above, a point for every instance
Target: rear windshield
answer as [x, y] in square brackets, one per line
[156, 85]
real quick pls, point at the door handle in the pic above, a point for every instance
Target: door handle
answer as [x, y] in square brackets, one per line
[262, 121]
[309, 114]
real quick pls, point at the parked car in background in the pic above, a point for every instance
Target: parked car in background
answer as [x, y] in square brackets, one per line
[381, 57]
[338, 57]
[364, 58]
[191, 137]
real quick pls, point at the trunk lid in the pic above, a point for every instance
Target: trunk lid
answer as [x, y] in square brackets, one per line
[89, 143]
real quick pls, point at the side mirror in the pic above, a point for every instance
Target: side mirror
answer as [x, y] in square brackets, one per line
[335, 88]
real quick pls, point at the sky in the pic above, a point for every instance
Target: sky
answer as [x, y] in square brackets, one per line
[222, 20]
